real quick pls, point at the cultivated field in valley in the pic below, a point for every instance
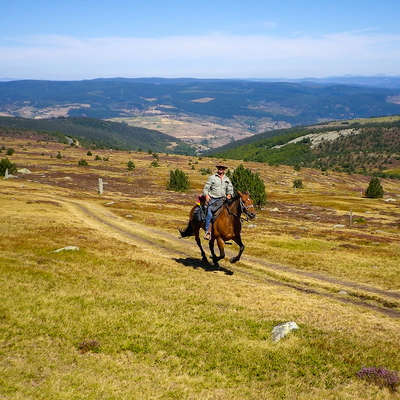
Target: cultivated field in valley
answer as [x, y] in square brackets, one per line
[158, 323]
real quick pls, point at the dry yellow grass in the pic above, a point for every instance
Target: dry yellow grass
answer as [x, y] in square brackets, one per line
[168, 328]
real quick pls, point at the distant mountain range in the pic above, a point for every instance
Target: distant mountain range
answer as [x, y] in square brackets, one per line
[97, 133]
[381, 81]
[292, 102]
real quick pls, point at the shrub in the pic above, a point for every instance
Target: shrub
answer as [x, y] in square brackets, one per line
[178, 181]
[10, 151]
[245, 180]
[154, 164]
[5, 163]
[374, 190]
[97, 158]
[89, 153]
[83, 163]
[380, 376]
[58, 155]
[105, 158]
[131, 165]
[298, 184]
[205, 171]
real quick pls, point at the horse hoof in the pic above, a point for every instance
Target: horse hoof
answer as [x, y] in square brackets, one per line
[233, 260]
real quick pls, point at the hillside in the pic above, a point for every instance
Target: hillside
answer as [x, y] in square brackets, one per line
[133, 313]
[364, 146]
[100, 133]
[231, 109]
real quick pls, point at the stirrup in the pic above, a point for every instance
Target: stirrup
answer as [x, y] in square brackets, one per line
[207, 236]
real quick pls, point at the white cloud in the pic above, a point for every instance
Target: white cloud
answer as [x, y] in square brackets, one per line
[214, 55]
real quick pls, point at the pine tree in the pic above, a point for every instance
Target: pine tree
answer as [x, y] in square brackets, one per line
[246, 181]
[374, 190]
[178, 181]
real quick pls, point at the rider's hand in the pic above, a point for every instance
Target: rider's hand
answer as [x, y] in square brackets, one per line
[207, 198]
[228, 196]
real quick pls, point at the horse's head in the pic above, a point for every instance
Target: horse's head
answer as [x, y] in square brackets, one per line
[246, 204]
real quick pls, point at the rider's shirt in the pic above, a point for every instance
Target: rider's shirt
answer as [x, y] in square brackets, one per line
[218, 187]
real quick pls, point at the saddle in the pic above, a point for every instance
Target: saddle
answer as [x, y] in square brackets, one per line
[200, 211]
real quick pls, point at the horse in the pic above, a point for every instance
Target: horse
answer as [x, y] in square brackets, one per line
[227, 226]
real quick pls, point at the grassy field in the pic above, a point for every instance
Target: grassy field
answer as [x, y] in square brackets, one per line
[133, 314]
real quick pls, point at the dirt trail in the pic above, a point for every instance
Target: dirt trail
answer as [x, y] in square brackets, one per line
[252, 269]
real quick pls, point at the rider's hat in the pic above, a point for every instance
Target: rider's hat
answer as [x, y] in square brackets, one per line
[219, 166]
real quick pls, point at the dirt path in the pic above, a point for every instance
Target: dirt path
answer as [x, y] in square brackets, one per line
[252, 269]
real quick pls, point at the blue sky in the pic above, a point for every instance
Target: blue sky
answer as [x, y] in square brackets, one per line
[223, 39]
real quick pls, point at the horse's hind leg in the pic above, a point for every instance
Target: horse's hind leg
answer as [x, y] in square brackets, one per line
[198, 241]
[214, 257]
[239, 242]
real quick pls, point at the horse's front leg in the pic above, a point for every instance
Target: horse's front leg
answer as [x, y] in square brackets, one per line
[239, 242]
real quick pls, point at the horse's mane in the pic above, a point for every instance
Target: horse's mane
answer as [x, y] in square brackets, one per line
[232, 199]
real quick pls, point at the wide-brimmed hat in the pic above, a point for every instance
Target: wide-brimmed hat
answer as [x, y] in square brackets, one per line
[221, 166]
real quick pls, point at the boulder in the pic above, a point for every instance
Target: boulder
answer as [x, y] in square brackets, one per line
[281, 330]
[24, 171]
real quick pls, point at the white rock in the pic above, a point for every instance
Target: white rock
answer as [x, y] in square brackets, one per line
[281, 330]
[390, 200]
[251, 225]
[339, 226]
[129, 216]
[274, 209]
[110, 203]
[67, 248]
[343, 292]
[24, 171]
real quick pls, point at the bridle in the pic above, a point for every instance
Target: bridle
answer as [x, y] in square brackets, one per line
[243, 209]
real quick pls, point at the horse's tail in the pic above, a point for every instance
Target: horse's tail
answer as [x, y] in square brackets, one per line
[188, 231]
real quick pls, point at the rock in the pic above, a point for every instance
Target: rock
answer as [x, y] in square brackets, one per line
[67, 248]
[343, 292]
[390, 200]
[339, 226]
[274, 209]
[110, 203]
[24, 171]
[129, 216]
[281, 330]
[251, 225]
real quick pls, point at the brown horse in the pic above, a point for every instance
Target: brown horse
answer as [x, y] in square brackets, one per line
[226, 226]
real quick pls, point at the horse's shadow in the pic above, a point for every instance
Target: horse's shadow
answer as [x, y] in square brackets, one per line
[195, 263]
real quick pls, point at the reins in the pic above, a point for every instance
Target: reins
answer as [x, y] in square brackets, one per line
[242, 208]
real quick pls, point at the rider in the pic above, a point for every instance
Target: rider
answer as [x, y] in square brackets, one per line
[217, 187]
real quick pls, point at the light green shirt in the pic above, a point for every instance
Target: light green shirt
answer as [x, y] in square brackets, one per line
[217, 187]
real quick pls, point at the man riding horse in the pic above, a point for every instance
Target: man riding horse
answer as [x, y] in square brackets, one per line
[217, 188]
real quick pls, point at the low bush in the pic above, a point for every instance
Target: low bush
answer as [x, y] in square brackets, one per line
[5, 163]
[298, 184]
[178, 181]
[83, 163]
[374, 190]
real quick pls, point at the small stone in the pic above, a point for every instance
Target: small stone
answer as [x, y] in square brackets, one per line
[275, 209]
[343, 292]
[339, 226]
[281, 330]
[129, 216]
[251, 225]
[390, 200]
[110, 203]
[67, 248]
